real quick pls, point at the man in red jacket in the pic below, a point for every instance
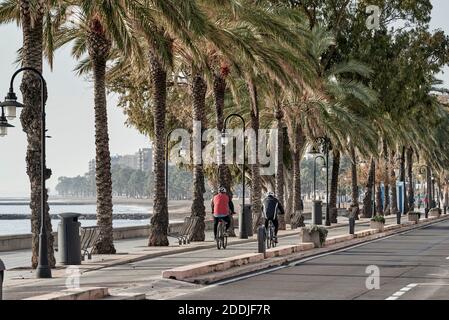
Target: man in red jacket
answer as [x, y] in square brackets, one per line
[222, 207]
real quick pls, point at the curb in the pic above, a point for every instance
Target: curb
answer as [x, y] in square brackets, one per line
[93, 293]
[280, 260]
[201, 247]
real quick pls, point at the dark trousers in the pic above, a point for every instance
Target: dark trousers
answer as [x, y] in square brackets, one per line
[275, 223]
[226, 219]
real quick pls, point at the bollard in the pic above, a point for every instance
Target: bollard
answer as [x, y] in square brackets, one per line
[261, 239]
[242, 226]
[248, 220]
[317, 213]
[426, 212]
[245, 222]
[398, 217]
[351, 225]
[2, 276]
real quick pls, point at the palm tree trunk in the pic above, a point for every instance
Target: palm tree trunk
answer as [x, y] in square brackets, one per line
[354, 184]
[198, 210]
[394, 196]
[429, 187]
[224, 174]
[279, 190]
[288, 188]
[379, 207]
[334, 186]
[159, 220]
[256, 209]
[368, 199]
[402, 178]
[298, 145]
[31, 123]
[386, 179]
[98, 48]
[411, 193]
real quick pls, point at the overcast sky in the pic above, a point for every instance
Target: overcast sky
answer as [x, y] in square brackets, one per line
[70, 116]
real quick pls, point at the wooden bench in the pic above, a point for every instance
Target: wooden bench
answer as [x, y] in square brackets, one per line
[89, 236]
[184, 234]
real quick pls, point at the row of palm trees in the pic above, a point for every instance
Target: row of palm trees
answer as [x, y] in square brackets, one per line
[277, 63]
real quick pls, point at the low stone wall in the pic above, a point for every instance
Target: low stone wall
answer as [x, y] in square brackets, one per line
[15, 242]
[23, 241]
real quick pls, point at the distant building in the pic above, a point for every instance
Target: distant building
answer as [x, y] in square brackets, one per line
[141, 160]
[145, 159]
[92, 167]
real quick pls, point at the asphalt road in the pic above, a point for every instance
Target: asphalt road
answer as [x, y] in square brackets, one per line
[412, 265]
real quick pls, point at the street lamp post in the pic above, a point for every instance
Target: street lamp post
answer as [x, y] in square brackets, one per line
[314, 173]
[43, 269]
[326, 147]
[224, 141]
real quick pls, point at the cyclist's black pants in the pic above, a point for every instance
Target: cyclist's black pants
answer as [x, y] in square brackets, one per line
[275, 223]
[226, 219]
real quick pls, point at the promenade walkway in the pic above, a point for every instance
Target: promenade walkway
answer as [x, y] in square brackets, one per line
[138, 266]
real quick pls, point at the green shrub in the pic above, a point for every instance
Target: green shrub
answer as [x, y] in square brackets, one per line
[380, 219]
[321, 231]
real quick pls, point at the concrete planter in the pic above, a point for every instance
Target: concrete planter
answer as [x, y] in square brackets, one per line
[377, 225]
[413, 216]
[435, 212]
[313, 237]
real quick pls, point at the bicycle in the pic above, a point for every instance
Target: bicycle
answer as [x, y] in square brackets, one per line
[222, 238]
[270, 235]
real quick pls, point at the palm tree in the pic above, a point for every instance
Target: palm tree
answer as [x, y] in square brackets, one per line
[334, 185]
[386, 177]
[367, 200]
[32, 16]
[411, 195]
[96, 27]
[354, 183]
[199, 108]
[279, 190]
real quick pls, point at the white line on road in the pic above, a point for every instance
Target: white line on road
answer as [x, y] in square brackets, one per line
[293, 264]
[399, 293]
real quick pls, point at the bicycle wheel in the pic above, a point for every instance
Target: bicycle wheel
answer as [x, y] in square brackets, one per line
[219, 235]
[268, 236]
[273, 243]
[225, 238]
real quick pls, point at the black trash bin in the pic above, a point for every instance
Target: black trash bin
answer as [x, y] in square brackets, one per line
[69, 243]
[317, 212]
[2, 276]
[245, 222]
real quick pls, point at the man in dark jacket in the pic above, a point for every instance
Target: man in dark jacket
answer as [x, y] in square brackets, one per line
[271, 207]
